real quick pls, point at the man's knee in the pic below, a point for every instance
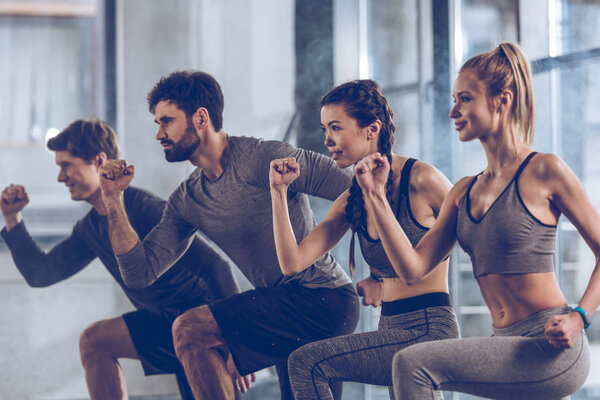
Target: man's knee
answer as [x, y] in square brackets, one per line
[194, 329]
[93, 342]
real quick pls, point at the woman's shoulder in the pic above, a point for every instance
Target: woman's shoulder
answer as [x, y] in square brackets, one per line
[546, 166]
[424, 177]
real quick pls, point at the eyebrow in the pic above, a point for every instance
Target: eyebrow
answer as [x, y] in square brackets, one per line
[333, 122]
[163, 119]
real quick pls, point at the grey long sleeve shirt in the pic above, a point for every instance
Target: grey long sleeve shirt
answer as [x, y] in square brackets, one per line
[201, 275]
[234, 211]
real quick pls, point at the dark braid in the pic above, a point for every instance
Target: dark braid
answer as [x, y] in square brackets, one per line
[363, 101]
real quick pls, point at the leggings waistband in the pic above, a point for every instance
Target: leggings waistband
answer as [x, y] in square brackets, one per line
[532, 325]
[420, 302]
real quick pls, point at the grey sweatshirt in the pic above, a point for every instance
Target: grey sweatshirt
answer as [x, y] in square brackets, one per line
[234, 211]
[202, 275]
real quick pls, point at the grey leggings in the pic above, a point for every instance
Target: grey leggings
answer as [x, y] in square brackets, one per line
[516, 363]
[365, 357]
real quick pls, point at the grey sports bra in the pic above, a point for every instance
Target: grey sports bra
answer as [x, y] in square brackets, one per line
[372, 249]
[507, 239]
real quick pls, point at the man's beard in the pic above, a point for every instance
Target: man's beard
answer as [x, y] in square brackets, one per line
[185, 147]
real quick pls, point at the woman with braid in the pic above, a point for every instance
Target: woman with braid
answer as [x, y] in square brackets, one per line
[505, 218]
[357, 121]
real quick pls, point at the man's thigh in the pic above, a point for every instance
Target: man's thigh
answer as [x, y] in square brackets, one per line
[110, 336]
[151, 337]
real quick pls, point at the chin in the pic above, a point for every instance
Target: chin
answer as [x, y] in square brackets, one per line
[342, 164]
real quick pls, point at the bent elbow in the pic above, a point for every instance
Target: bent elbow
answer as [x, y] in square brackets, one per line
[37, 283]
[138, 282]
[287, 272]
[289, 269]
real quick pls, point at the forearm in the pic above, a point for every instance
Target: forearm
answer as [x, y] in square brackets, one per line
[285, 240]
[122, 235]
[41, 269]
[404, 258]
[591, 297]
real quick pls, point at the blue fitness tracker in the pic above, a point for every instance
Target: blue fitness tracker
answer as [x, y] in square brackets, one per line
[583, 313]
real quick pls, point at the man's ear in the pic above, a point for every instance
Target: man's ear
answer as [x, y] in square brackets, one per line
[201, 118]
[100, 159]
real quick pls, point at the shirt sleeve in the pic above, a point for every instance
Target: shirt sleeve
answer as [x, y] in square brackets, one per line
[159, 250]
[319, 176]
[40, 268]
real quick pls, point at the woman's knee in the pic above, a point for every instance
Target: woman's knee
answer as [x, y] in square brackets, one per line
[308, 359]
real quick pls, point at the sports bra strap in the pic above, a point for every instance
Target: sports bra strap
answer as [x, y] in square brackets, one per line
[524, 164]
[405, 176]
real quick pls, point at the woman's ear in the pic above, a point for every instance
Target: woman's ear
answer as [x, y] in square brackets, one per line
[505, 99]
[373, 130]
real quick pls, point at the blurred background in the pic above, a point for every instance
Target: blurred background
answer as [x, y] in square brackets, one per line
[67, 59]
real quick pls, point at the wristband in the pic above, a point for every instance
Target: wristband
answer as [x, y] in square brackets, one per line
[377, 278]
[583, 313]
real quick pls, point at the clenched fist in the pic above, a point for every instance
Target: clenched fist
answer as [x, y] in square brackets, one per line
[283, 172]
[13, 199]
[115, 176]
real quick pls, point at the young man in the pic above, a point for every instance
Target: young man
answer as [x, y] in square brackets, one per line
[200, 276]
[227, 198]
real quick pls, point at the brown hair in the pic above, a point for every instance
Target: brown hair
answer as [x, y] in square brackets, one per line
[507, 68]
[364, 102]
[86, 139]
[190, 90]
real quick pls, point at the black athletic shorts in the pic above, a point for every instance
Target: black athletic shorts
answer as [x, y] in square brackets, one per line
[153, 340]
[263, 326]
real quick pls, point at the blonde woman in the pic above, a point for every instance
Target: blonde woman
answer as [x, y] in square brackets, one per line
[505, 218]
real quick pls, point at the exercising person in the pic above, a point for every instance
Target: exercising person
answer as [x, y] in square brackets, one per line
[227, 199]
[201, 276]
[357, 121]
[505, 218]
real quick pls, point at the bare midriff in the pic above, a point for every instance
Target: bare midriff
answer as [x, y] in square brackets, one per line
[514, 297]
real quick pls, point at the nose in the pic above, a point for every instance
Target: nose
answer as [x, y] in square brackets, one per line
[160, 134]
[454, 112]
[61, 176]
[328, 140]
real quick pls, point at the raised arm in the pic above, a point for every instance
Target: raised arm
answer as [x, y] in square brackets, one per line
[411, 264]
[39, 268]
[320, 176]
[294, 258]
[568, 195]
[140, 263]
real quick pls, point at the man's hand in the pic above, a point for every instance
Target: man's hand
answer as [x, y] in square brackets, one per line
[283, 172]
[371, 291]
[240, 383]
[115, 176]
[14, 198]
[563, 330]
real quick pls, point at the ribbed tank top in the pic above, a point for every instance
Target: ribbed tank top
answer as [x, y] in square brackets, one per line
[372, 249]
[507, 239]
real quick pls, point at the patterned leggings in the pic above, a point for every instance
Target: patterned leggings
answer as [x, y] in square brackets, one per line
[366, 357]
